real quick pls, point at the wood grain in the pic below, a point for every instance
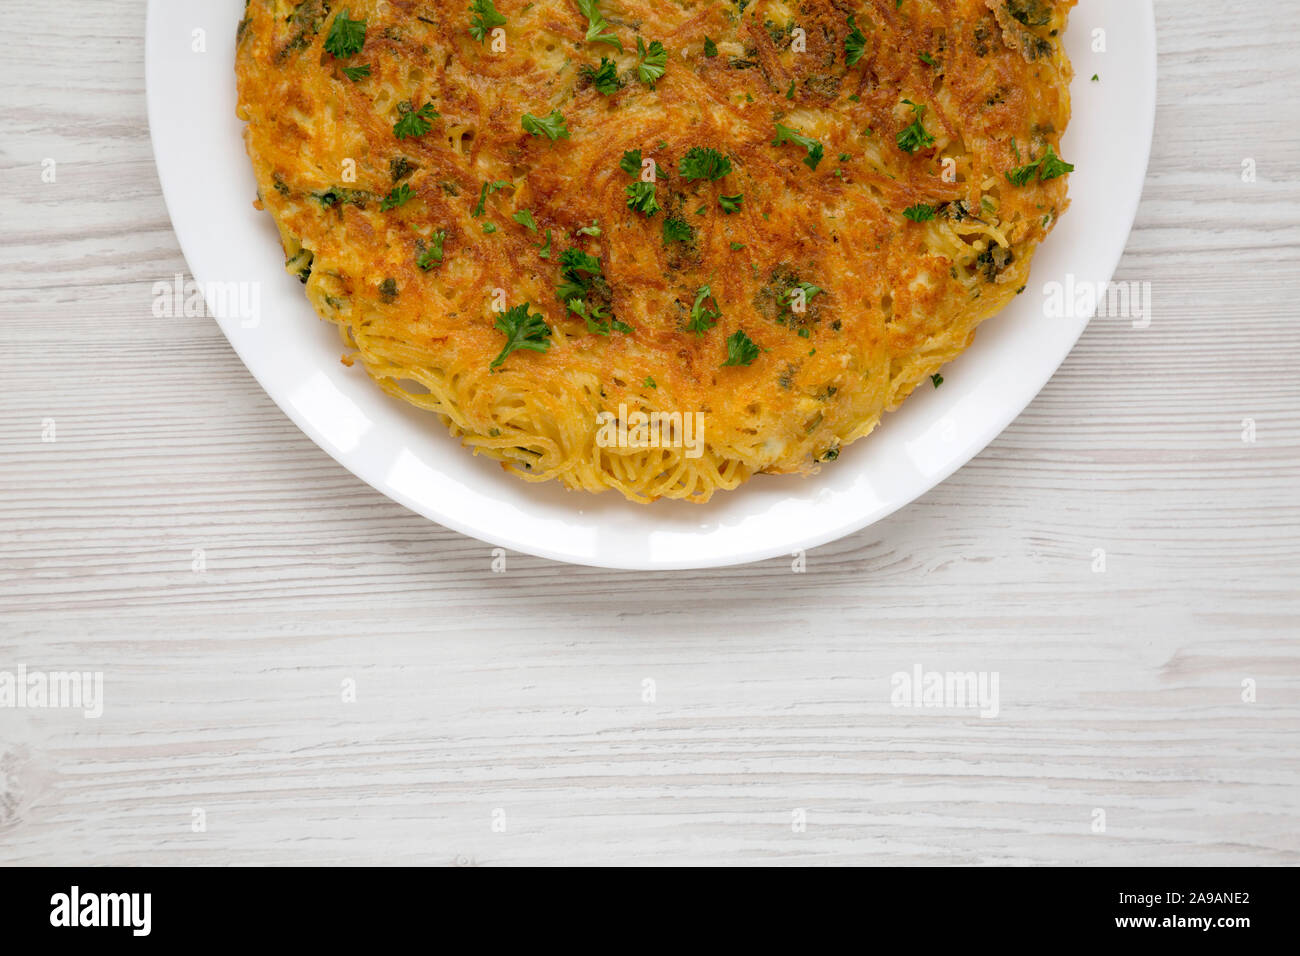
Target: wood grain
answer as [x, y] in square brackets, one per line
[523, 692]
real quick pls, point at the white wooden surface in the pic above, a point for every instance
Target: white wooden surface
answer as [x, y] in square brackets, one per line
[522, 692]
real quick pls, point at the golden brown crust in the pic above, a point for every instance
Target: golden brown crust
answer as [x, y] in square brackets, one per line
[898, 298]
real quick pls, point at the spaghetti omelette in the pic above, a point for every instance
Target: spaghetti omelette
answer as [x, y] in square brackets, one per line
[543, 219]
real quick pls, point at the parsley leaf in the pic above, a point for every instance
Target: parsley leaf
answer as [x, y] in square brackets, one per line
[1053, 166]
[731, 204]
[596, 23]
[432, 255]
[740, 349]
[525, 218]
[595, 317]
[1048, 166]
[346, 36]
[355, 73]
[703, 163]
[398, 197]
[605, 78]
[855, 44]
[1021, 175]
[919, 213]
[415, 123]
[710, 48]
[579, 275]
[553, 125]
[488, 189]
[523, 330]
[677, 230]
[914, 137]
[654, 61]
[703, 319]
[574, 263]
[485, 18]
[809, 290]
[631, 162]
[815, 149]
[641, 197]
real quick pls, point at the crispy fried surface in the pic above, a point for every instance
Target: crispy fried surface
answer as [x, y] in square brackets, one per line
[897, 298]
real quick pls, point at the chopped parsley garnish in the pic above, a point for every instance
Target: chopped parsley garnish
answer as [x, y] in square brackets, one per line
[415, 123]
[488, 189]
[573, 264]
[641, 197]
[649, 382]
[737, 246]
[653, 61]
[792, 295]
[740, 349]
[596, 23]
[928, 60]
[702, 318]
[592, 230]
[398, 197]
[355, 73]
[432, 255]
[855, 44]
[703, 163]
[544, 250]
[710, 48]
[677, 230]
[919, 213]
[595, 317]
[809, 290]
[342, 196]
[580, 278]
[914, 137]
[485, 18]
[525, 218]
[731, 204]
[522, 330]
[631, 162]
[1048, 166]
[815, 149]
[936, 379]
[346, 36]
[605, 77]
[553, 125]
[489, 228]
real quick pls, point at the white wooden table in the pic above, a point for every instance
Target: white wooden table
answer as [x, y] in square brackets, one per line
[502, 718]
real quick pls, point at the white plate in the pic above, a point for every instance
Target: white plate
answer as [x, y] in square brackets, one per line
[407, 454]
